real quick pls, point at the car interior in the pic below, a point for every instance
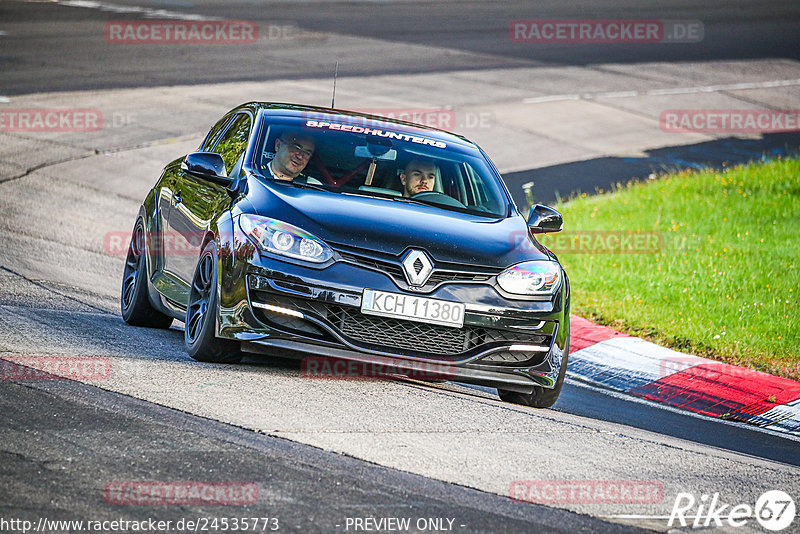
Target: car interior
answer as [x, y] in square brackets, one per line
[348, 163]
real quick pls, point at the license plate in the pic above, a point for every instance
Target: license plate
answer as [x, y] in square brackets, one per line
[420, 309]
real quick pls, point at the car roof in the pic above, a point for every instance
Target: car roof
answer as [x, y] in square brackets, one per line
[278, 109]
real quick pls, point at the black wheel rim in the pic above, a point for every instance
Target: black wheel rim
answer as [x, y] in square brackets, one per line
[200, 297]
[131, 273]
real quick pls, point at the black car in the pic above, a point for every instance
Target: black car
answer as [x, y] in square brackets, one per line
[296, 230]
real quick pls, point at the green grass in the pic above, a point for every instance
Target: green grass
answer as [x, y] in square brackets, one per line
[726, 279]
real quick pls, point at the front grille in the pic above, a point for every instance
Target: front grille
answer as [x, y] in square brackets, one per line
[395, 271]
[406, 337]
[453, 276]
[392, 269]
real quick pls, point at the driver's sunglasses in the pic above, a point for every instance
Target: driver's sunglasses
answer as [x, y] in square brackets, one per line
[297, 149]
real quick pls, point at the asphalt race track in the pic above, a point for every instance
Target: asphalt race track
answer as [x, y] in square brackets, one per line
[60, 50]
[323, 453]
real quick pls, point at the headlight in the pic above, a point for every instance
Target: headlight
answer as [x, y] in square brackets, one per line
[284, 239]
[531, 278]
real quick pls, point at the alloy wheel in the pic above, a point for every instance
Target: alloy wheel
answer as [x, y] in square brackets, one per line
[200, 296]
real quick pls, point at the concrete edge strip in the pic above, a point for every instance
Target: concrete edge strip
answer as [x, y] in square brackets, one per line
[611, 359]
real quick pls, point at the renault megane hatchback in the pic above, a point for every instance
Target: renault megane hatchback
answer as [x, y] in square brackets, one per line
[297, 230]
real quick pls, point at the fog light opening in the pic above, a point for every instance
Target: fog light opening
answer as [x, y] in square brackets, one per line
[278, 309]
[528, 348]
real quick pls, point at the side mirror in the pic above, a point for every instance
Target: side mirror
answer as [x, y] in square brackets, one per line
[544, 219]
[207, 165]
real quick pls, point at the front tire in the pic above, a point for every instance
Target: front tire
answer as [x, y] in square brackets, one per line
[134, 302]
[200, 338]
[540, 397]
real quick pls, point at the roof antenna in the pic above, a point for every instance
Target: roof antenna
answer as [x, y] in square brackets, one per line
[335, 74]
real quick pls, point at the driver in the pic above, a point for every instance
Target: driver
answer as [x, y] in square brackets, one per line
[419, 176]
[293, 150]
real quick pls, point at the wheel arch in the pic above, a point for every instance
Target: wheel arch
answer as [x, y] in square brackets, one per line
[221, 232]
[149, 215]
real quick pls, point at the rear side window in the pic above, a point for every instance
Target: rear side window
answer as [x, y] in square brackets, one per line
[233, 142]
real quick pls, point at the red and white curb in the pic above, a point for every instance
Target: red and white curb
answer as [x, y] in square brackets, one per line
[614, 360]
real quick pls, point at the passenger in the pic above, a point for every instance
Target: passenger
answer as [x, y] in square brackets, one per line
[293, 150]
[419, 176]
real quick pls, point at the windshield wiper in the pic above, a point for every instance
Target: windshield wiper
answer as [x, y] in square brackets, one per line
[410, 200]
[384, 196]
[446, 207]
[309, 186]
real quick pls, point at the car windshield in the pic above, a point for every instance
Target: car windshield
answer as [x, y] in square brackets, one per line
[380, 160]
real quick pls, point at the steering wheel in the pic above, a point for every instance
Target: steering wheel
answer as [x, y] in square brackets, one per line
[435, 197]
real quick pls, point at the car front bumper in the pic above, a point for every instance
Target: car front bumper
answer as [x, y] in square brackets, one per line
[297, 311]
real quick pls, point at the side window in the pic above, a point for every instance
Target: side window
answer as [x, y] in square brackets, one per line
[214, 133]
[233, 142]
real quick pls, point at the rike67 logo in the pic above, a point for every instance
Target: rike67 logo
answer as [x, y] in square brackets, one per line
[774, 510]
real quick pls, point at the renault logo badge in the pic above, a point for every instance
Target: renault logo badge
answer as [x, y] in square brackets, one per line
[417, 267]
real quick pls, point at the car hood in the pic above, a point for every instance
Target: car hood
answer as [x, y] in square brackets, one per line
[390, 226]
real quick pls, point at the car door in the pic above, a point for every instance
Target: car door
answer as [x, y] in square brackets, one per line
[196, 203]
[166, 282]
